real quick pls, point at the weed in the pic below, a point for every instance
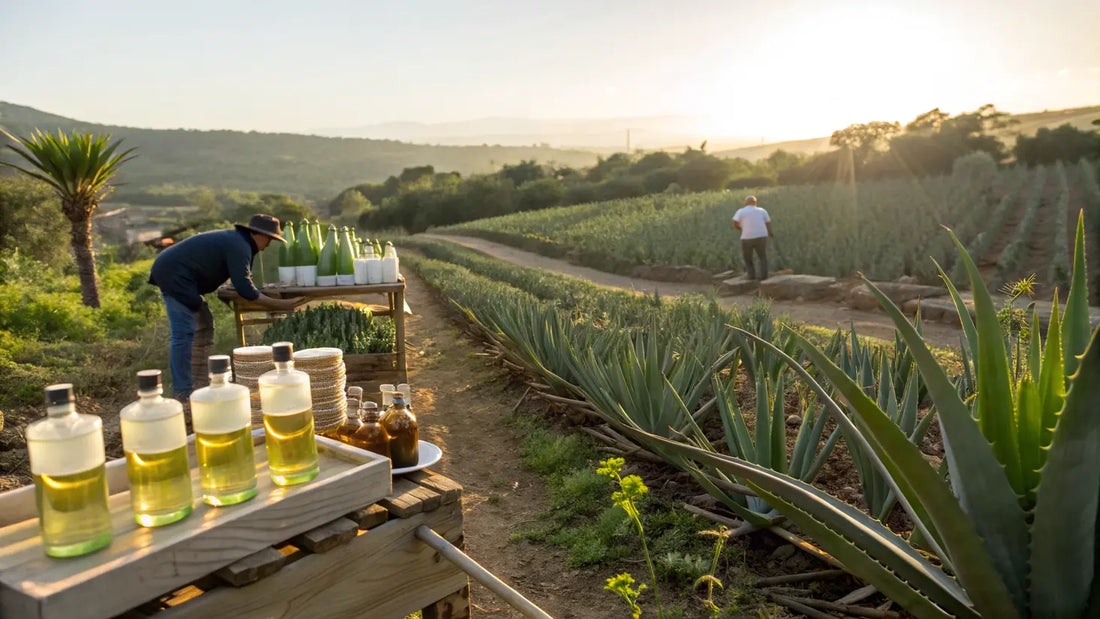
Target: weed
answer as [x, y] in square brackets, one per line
[631, 491]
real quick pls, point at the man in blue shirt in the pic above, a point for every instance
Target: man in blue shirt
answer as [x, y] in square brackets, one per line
[198, 265]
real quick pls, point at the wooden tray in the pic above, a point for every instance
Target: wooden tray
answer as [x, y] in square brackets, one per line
[141, 564]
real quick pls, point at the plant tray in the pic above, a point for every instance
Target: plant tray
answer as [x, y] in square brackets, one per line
[141, 564]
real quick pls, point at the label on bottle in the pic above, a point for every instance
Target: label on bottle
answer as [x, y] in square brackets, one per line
[68, 456]
[285, 399]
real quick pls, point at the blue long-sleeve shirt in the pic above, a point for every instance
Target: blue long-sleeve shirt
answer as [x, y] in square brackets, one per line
[199, 264]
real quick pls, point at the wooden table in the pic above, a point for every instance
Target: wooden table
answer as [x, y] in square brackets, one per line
[394, 307]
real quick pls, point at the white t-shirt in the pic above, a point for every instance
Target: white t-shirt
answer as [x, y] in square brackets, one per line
[753, 220]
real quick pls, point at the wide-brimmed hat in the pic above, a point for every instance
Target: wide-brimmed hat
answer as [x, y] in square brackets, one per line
[265, 225]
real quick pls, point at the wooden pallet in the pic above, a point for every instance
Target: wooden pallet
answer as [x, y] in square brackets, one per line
[366, 563]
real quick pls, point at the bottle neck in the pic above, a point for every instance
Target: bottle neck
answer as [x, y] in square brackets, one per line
[150, 397]
[284, 366]
[219, 380]
[61, 410]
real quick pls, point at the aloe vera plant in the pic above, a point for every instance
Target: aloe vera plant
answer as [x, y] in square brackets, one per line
[1015, 526]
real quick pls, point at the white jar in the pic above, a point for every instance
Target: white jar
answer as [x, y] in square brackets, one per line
[374, 271]
[288, 276]
[306, 276]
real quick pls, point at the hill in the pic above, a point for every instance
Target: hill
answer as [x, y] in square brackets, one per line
[313, 166]
[1027, 124]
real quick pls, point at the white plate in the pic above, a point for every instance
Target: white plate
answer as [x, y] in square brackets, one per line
[316, 353]
[429, 455]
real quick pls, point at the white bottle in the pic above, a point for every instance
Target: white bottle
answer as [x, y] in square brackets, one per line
[390, 268]
[374, 267]
[222, 417]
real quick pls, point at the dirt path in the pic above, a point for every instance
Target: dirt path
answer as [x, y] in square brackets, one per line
[824, 314]
[463, 404]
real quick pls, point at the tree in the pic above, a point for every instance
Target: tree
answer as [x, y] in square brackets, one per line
[864, 139]
[523, 172]
[928, 122]
[704, 173]
[78, 167]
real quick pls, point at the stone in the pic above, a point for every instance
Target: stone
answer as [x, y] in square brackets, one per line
[723, 275]
[910, 307]
[863, 299]
[794, 421]
[784, 552]
[738, 286]
[907, 279]
[704, 501]
[900, 293]
[681, 274]
[811, 287]
[840, 291]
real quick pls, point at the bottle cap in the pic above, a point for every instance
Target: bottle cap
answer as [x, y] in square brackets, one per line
[61, 393]
[149, 381]
[218, 364]
[281, 352]
[397, 399]
[370, 406]
[386, 387]
[355, 392]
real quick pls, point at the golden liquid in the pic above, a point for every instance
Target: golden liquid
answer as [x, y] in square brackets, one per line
[401, 425]
[291, 450]
[371, 436]
[160, 486]
[73, 513]
[227, 466]
[346, 430]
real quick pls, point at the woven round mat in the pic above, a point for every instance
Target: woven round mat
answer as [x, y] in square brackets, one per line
[252, 354]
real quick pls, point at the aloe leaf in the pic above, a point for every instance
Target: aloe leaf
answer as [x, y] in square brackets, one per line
[738, 440]
[1030, 415]
[977, 477]
[1075, 322]
[969, 330]
[1063, 535]
[779, 428]
[1052, 384]
[866, 547]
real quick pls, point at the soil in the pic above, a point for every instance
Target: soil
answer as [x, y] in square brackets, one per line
[821, 313]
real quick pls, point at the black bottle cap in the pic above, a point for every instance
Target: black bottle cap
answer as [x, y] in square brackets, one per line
[58, 394]
[282, 352]
[218, 364]
[397, 399]
[149, 380]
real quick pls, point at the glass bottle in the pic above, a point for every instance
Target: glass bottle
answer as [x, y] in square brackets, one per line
[390, 268]
[154, 439]
[346, 430]
[387, 395]
[345, 258]
[221, 415]
[371, 436]
[406, 393]
[288, 420]
[70, 478]
[400, 424]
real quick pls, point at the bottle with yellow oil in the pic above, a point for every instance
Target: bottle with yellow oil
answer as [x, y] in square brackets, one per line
[288, 420]
[154, 439]
[70, 480]
[371, 436]
[346, 430]
[221, 415]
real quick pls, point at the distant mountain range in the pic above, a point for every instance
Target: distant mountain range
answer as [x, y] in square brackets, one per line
[311, 166]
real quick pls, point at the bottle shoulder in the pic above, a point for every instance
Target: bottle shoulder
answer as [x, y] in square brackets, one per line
[63, 428]
[151, 411]
[220, 393]
[287, 377]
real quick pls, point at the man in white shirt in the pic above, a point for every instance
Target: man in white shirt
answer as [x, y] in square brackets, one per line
[755, 226]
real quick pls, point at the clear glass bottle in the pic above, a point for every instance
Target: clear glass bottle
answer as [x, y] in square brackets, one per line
[221, 415]
[406, 393]
[347, 429]
[70, 478]
[387, 391]
[154, 439]
[288, 420]
[371, 436]
[400, 424]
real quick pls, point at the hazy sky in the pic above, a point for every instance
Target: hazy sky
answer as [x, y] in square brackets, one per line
[780, 69]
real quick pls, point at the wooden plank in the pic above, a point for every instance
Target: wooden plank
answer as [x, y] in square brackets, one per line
[141, 564]
[253, 567]
[314, 292]
[369, 517]
[384, 572]
[327, 536]
[454, 606]
[409, 499]
[448, 489]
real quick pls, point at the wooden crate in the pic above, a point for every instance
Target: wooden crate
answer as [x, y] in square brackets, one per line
[372, 370]
[367, 563]
[141, 564]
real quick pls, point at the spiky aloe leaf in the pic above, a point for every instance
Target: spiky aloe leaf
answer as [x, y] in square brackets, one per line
[1063, 534]
[866, 547]
[1075, 322]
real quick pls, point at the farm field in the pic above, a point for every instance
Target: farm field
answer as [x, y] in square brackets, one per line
[1014, 221]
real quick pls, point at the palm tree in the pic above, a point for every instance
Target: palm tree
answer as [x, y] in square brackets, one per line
[78, 168]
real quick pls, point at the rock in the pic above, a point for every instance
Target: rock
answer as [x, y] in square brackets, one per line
[907, 279]
[900, 293]
[704, 501]
[863, 299]
[910, 307]
[784, 552]
[794, 421]
[681, 274]
[737, 286]
[811, 287]
[723, 275]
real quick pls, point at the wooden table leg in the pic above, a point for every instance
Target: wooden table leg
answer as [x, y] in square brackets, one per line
[397, 306]
[454, 606]
[240, 324]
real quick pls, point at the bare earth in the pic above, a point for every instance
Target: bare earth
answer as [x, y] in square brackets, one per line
[824, 314]
[463, 404]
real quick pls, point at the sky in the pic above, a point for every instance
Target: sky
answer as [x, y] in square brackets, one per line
[774, 69]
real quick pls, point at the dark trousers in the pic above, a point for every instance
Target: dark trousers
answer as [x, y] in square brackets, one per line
[760, 247]
[191, 336]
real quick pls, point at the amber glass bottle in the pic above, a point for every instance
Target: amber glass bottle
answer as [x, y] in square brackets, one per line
[371, 435]
[400, 424]
[351, 424]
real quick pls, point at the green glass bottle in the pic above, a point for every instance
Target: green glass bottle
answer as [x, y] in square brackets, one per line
[345, 259]
[326, 264]
[318, 238]
[288, 256]
[306, 267]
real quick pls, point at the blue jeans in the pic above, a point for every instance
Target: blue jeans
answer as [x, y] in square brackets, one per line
[183, 325]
